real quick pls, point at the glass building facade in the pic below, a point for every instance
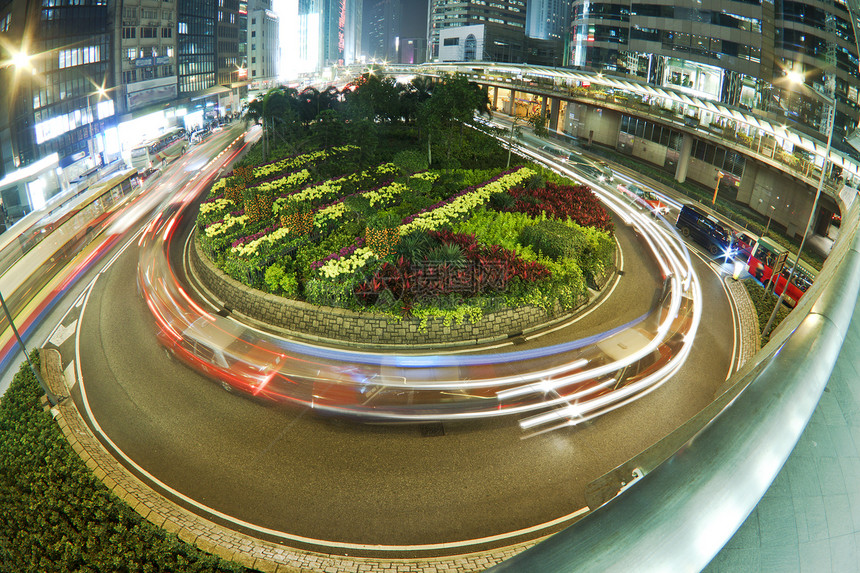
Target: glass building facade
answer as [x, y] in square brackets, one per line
[196, 44]
[57, 106]
[508, 17]
[736, 52]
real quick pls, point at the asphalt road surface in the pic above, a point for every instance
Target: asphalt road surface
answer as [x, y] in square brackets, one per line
[294, 472]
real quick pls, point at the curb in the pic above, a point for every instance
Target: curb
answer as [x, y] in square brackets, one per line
[216, 539]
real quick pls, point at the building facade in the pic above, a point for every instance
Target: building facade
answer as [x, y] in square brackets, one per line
[230, 71]
[263, 52]
[547, 19]
[505, 23]
[144, 60]
[329, 33]
[383, 34]
[60, 121]
[739, 53]
[196, 45]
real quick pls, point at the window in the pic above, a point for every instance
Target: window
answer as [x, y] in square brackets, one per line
[253, 60]
[130, 53]
[148, 14]
[166, 32]
[130, 13]
[451, 42]
[129, 33]
[253, 33]
[129, 77]
[148, 32]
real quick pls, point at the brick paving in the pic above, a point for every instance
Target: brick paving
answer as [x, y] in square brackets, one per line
[747, 319]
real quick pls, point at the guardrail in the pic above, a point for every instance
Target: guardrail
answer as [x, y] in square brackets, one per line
[674, 506]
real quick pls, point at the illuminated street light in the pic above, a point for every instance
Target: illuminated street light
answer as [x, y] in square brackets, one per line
[21, 60]
[794, 77]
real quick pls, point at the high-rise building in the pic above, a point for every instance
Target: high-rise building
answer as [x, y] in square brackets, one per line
[60, 116]
[504, 23]
[383, 34]
[263, 43]
[329, 32]
[231, 74]
[196, 45]
[547, 19]
[739, 53]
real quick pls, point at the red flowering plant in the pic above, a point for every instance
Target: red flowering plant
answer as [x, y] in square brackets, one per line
[458, 265]
[575, 202]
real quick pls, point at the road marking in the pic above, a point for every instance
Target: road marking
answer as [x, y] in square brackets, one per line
[69, 374]
[62, 333]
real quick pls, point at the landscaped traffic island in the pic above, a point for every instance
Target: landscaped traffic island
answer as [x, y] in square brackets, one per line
[393, 252]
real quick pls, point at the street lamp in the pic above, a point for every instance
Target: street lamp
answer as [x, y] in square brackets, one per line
[830, 100]
[720, 176]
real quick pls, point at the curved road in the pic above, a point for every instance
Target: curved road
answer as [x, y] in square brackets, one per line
[294, 472]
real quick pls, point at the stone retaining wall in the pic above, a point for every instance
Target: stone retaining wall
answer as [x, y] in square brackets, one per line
[303, 319]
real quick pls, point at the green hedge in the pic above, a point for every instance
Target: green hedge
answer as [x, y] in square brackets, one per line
[764, 304]
[55, 516]
[552, 239]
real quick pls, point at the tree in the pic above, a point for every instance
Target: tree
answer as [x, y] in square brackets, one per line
[453, 105]
[328, 128]
[538, 121]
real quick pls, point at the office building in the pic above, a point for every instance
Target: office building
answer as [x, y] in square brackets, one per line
[196, 45]
[383, 34]
[60, 118]
[329, 33]
[503, 34]
[230, 71]
[738, 53]
[263, 45]
[547, 19]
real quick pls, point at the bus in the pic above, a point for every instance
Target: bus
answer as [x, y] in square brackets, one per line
[705, 230]
[27, 268]
[169, 145]
[761, 261]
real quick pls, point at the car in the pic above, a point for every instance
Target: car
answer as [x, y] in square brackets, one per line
[648, 197]
[555, 152]
[217, 128]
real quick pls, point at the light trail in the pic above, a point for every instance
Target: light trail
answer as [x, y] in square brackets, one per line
[565, 383]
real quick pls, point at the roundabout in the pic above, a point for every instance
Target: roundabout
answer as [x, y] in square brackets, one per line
[434, 487]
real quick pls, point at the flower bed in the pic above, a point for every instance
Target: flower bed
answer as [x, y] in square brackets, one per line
[575, 202]
[382, 241]
[462, 204]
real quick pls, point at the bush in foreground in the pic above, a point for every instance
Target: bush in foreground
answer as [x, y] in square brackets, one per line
[56, 516]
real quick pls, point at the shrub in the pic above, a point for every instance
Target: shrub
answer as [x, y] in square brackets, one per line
[290, 285]
[273, 277]
[764, 304]
[58, 517]
[410, 161]
[575, 202]
[553, 239]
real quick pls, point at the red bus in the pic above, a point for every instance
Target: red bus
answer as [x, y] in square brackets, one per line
[761, 262]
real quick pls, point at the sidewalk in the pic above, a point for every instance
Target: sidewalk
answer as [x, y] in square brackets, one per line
[809, 520]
